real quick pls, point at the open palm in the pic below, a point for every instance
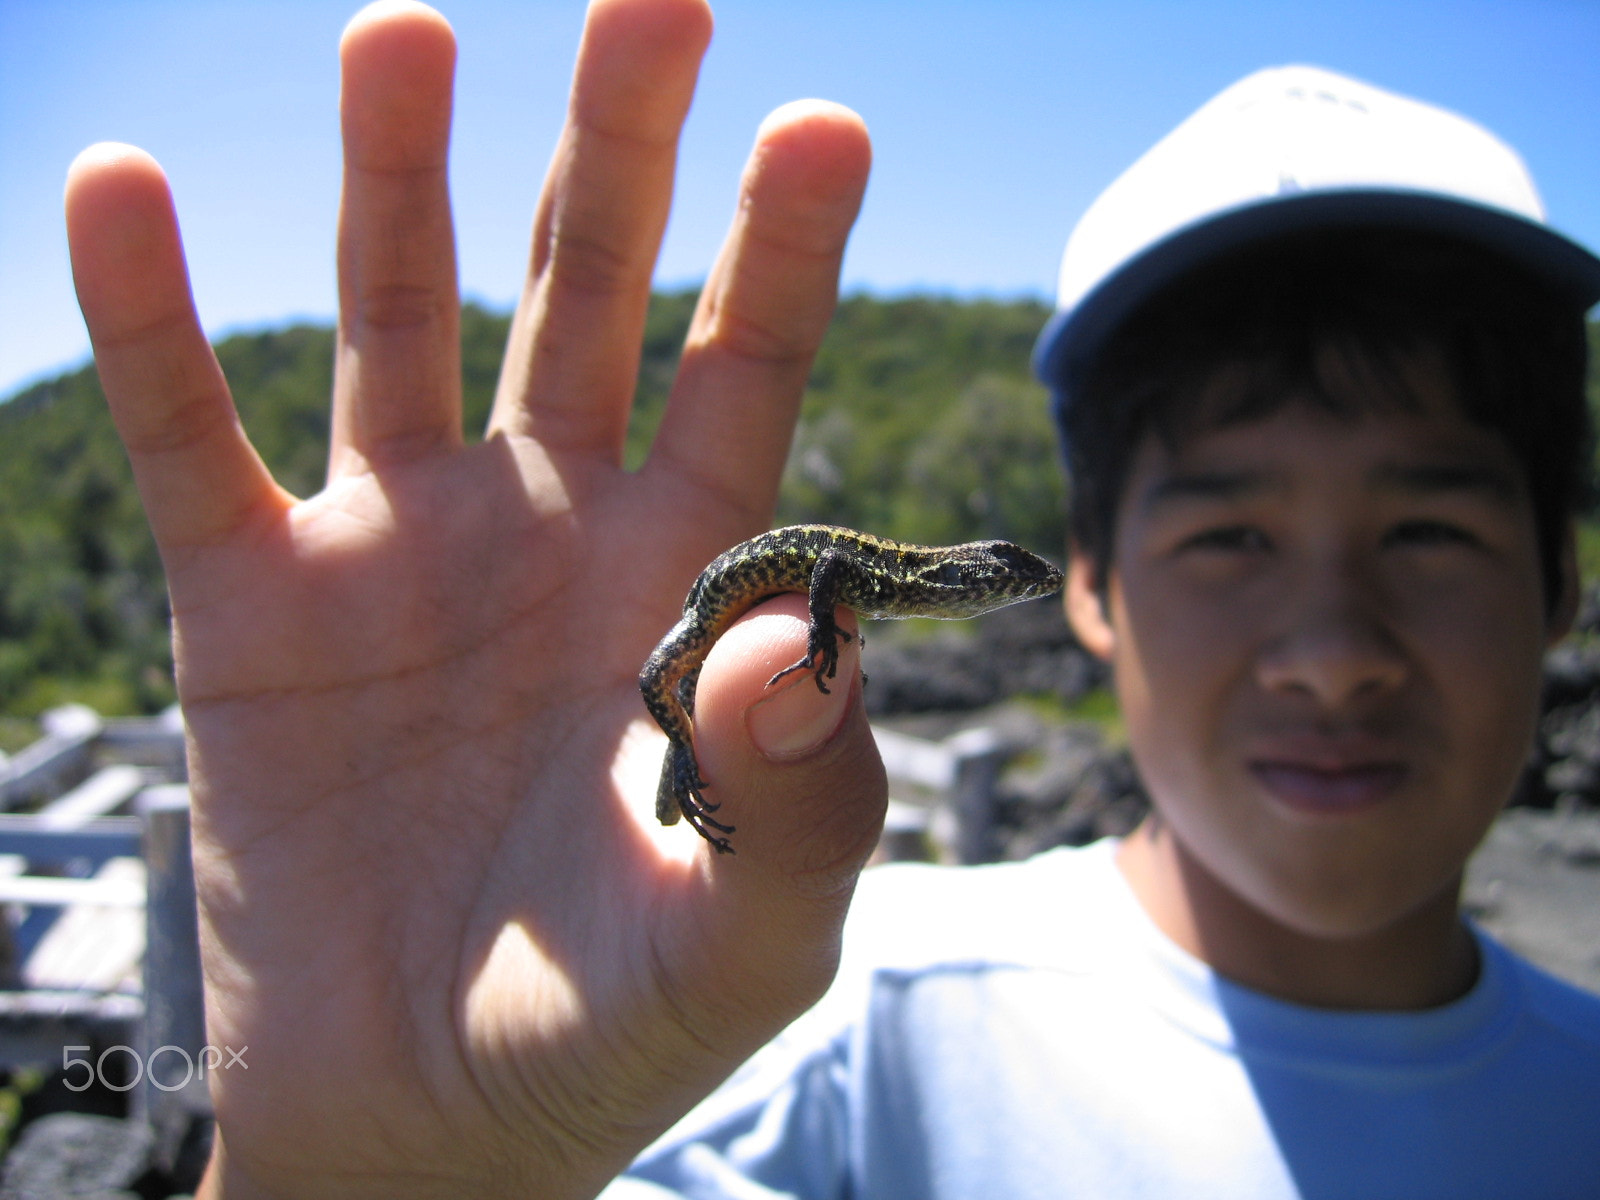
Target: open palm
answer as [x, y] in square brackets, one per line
[462, 960]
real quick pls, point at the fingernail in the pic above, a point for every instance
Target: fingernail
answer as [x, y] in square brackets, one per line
[798, 718]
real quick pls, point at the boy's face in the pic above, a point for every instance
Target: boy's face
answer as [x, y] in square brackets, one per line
[1327, 636]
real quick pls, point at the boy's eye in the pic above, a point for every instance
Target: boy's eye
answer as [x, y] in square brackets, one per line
[1430, 533]
[1228, 538]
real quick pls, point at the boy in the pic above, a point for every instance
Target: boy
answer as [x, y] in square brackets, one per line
[1321, 392]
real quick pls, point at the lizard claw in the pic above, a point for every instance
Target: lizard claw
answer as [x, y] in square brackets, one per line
[696, 809]
[802, 665]
[823, 646]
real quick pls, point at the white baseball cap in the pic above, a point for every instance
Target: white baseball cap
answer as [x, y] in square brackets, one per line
[1286, 150]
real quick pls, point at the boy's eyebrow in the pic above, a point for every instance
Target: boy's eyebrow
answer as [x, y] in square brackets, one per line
[1208, 485]
[1482, 478]
[1411, 478]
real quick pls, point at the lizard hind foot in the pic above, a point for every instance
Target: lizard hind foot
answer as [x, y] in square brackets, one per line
[681, 794]
[698, 813]
[694, 806]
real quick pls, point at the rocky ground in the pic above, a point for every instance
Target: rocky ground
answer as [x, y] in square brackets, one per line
[1535, 884]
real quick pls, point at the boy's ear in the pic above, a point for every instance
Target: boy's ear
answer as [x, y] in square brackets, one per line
[1565, 610]
[1085, 602]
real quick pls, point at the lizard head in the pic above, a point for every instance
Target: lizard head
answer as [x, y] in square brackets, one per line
[976, 577]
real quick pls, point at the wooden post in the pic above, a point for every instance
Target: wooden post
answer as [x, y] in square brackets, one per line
[174, 1087]
[979, 756]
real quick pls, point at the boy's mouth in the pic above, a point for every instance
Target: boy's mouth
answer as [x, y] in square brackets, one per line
[1328, 788]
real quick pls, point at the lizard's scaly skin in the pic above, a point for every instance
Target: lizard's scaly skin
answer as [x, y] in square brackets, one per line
[872, 575]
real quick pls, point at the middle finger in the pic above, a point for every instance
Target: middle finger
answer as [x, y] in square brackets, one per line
[573, 352]
[398, 379]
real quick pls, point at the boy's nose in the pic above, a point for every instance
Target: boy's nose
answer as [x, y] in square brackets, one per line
[1333, 649]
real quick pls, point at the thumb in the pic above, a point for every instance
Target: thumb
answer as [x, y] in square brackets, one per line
[795, 768]
[796, 772]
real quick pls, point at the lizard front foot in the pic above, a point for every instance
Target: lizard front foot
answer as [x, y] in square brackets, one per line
[822, 650]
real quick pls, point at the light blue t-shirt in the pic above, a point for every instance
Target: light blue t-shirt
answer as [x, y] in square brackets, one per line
[1024, 1030]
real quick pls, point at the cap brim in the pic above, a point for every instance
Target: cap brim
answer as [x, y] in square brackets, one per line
[1070, 338]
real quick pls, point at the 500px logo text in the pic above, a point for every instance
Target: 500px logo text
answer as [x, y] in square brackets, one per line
[162, 1066]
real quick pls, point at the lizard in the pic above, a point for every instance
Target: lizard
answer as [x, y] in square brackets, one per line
[876, 577]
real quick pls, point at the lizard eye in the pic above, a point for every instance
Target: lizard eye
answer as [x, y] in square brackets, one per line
[949, 575]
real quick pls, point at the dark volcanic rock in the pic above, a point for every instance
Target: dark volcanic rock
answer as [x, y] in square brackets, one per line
[1535, 884]
[76, 1156]
[1025, 649]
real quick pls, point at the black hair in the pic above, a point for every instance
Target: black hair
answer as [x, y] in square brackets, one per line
[1304, 317]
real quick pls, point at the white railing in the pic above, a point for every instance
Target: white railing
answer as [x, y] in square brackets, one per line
[102, 869]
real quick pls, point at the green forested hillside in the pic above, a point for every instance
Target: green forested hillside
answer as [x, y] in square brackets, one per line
[921, 422]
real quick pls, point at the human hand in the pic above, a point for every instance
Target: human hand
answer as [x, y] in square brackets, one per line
[433, 900]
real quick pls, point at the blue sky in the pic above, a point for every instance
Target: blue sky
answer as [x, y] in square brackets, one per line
[995, 123]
